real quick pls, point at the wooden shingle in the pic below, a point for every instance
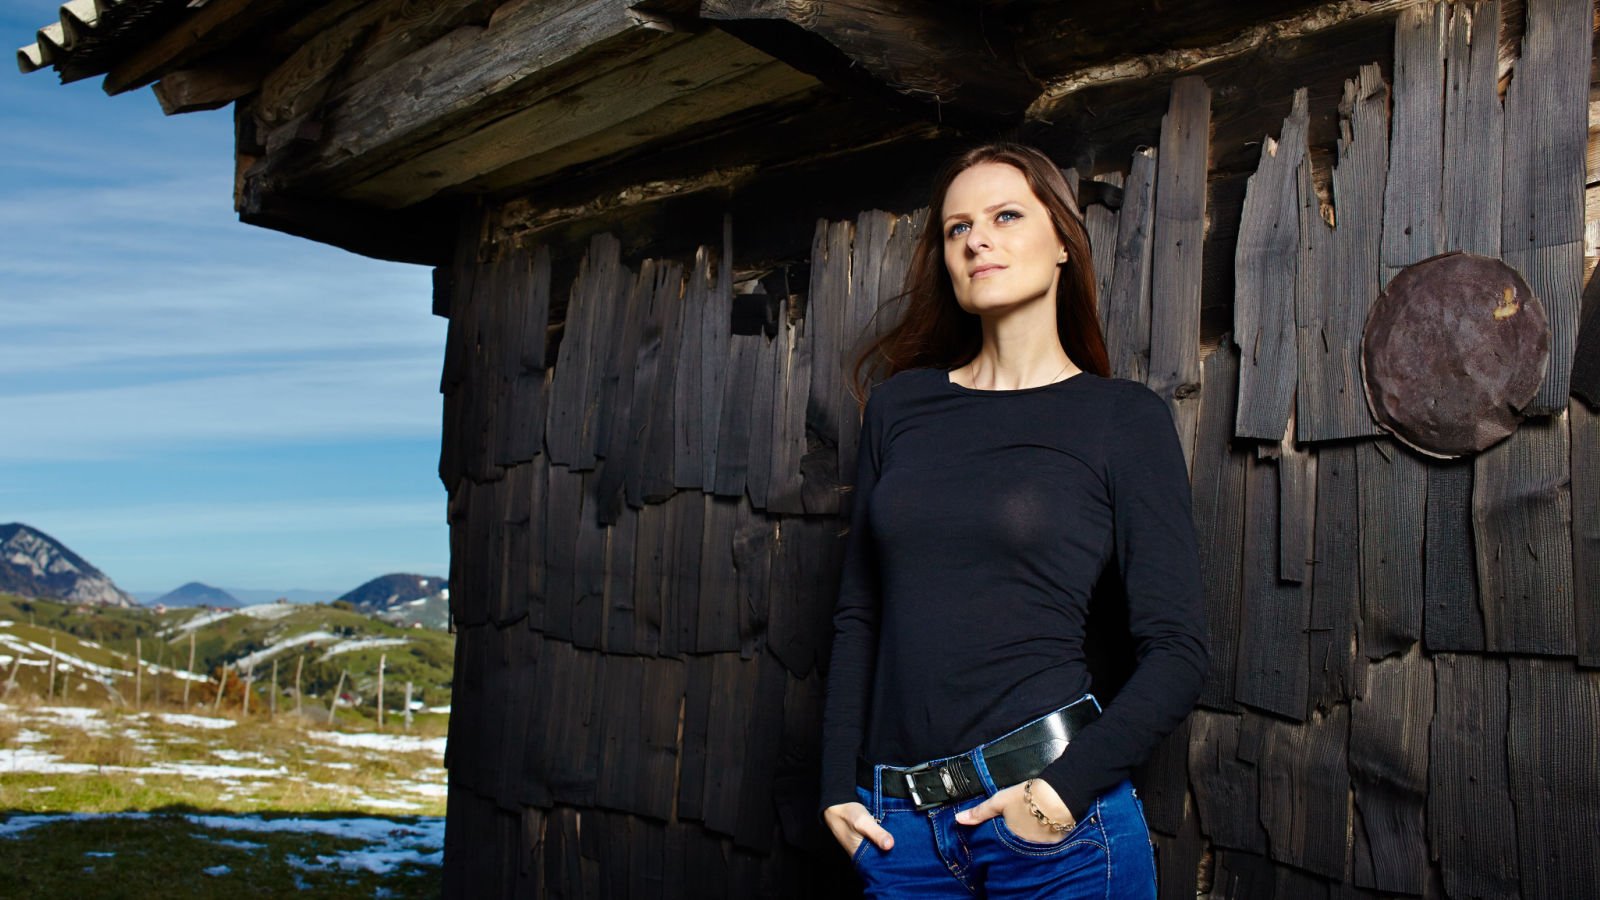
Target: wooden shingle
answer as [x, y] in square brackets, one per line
[1389, 772]
[1471, 822]
[1264, 281]
[1393, 497]
[1218, 484]
[1126, 302]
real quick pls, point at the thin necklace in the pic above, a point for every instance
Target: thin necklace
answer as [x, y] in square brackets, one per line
[1052, 380]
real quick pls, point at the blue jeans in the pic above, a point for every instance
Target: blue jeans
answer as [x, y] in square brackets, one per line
[1106, 855]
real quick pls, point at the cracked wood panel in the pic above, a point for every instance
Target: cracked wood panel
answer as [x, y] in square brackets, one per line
[1546, 137]
[1219, 515]
[1177, 238]
[1127, 299]
[1553, 760]
[1333, 654]
[1330, 400]
[1389, 772]
[1521, 517]
[1393, 486]
[1265, 273]
[1471, 816]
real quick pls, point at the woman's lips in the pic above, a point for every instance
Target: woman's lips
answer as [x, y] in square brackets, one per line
[981, 271]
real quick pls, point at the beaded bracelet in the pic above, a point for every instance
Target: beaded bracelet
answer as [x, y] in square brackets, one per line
[1046, 821]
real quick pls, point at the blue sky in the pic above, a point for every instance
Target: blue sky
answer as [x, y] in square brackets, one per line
[187, 398]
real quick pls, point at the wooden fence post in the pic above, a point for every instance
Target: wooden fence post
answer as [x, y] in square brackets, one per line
[248, 680]
[336, 692]
[222, 686]
[383, 658]
[272, 699]
[298, 665]
[52, 669]
[189, 672]
[138, 670]
[408, 706]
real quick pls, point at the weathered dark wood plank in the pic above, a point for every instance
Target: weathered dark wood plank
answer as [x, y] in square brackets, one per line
[696, 736]
[1585, 424]
[1305, 791]
[664, 685]
[1274, 614]
[729, 717]
[1178, 858]
[650, 471]
[1555, 775]
[618, 732]
[564, 494]
[1265, 263]
[1586, 358]
[738, 408]
[1178, 238]
[1127, 298]
[689, 419]
[1297, 508]
[715, 359]
[536, 530]
[764, 400]
[826, 307]
[517, 506]
[1225, 787]
[1389, 771]
[717, 625]
[1471, 819]
[1412, 225]
[621, 568]
[1333, 654]
[754, 825]
[597, 284]
[680, 598]
[649, 578]
[1331, 403]
[789, 632]
[1473, 129]
[569, 693]
[1546, 136]
[1393, 496]
[874, 230]
[791, 367]
[1101, 223]
[752, 561]
[1521, 515]
[1219, 491]
[1452, 618]
[589, 571]
[614, 436]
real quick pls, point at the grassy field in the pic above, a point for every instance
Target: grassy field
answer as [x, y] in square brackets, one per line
[100, 797]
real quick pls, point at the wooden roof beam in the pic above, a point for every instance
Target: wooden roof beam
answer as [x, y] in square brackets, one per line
[945, 54]
[206, 29]
[449, 88]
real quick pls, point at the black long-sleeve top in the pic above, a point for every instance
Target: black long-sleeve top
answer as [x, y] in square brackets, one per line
[981, 522]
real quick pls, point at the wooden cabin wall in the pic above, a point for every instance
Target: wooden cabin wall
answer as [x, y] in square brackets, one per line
[645, 457]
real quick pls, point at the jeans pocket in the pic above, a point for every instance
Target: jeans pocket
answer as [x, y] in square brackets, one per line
[1084, 831]
[860, 852]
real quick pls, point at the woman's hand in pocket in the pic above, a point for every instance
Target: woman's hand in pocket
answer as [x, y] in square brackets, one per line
[851, 824]
[1012, 808]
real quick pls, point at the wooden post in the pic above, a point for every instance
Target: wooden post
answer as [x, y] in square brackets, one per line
[222, 686]
[335, 702]
[298, 665]
[248, 681]
[272, 698]
[383, 658]
[160, 653]
[138, 669]
[52, 669]
[408, 706]
[189, 671]
[11, 683]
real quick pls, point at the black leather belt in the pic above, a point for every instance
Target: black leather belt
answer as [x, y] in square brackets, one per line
[1011, 759]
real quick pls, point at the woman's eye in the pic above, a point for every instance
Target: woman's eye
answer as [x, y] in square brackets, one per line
[957, 228]
[1003, 214]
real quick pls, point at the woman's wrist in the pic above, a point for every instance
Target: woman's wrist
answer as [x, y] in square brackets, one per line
[1046, 806]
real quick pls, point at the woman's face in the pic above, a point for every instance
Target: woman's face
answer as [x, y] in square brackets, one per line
[1000, 246]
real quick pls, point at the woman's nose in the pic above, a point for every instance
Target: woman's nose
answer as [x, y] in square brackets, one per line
[977, 239]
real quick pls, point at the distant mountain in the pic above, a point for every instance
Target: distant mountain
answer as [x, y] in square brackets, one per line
[293, 595]
[387, 591]
[34, 564]
[196, 594]
[432, 611]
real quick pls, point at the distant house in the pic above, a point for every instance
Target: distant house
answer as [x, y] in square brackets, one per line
[658, 230]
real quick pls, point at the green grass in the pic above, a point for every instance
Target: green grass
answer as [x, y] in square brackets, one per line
[166, 856]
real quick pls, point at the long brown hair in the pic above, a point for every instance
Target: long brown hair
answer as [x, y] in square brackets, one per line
[935, 331]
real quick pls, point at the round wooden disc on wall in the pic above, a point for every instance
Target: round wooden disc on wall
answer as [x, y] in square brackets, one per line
[1453, 351]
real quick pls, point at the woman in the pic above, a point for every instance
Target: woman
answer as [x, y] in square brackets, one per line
[1000, 473]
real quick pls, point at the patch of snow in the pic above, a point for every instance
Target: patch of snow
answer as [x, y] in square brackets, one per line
[101, 854]
[23, 646]
[395, 743]
[396, 805]
[227, 842]
[187, 720]
[440, 709]
[26, 760]
[240, 756]
[216, 870]
[42, 789]
[362, 644]
[390, 844]
[250, 660]
[18, 824]
[426, 789]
